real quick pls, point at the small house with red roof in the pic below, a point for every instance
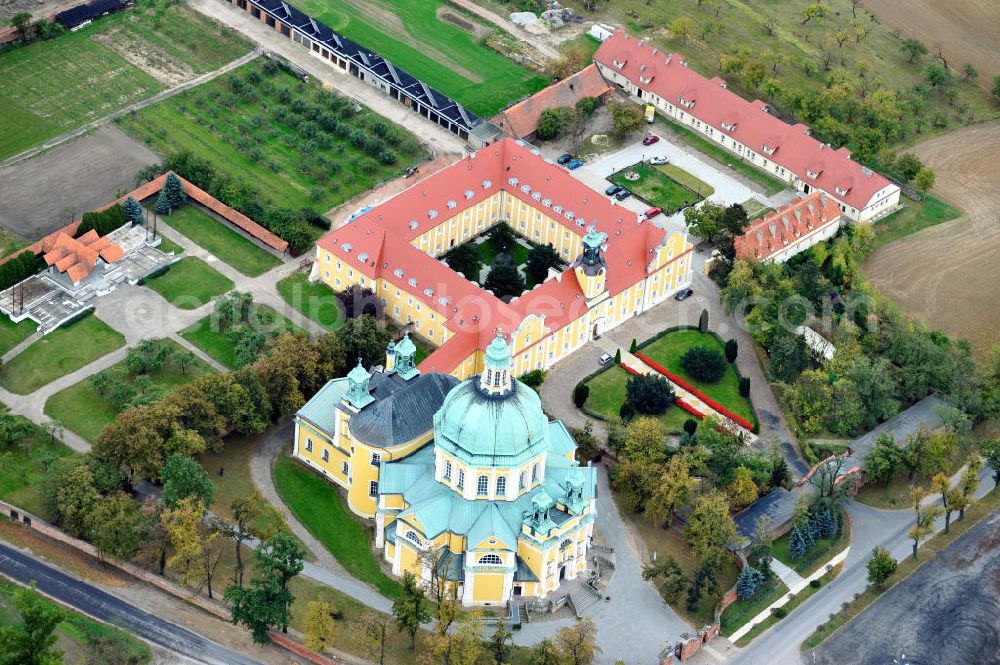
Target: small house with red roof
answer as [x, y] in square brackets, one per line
[72, 260]
[746, 129]
[783, 233]
[620, 264]
[521, 119]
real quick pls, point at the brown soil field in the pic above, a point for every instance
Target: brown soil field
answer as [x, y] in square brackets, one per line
[948, 273]
[966, 30]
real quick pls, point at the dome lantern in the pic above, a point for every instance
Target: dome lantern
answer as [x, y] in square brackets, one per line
[405, 352]
[357, 387]
[496, 379]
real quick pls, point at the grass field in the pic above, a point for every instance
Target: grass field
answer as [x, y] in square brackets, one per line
[76, 634]
[24, 467]
[218, 345]
[251, 138]
[814, 559]
[64, 350]
[50, 87]
[442, 55]
[189, 283]
[321, 508]
[314, 300]
[801, 597]
[222, 241]
[167, 245]
[744, 609]
[915, 216]
[656, 188]
[607, 394]
[755, 209]
[10, 242]
[667, 351]
[12, 334]
[83, 410]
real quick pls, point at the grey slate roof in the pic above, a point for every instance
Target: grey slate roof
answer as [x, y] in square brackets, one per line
[401, 412]
[321, 410]
[779, 505]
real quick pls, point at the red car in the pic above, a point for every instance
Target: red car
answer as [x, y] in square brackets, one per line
[653, 212]
[651, 139]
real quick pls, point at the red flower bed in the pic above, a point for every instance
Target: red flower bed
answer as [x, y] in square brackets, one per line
[694, 391]
[629, 369]
[687, 407]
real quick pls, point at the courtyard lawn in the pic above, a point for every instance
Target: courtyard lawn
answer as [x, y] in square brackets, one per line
[315, 300]
[167, 245]
[12, 334]
[253, 137]
[50, 87]
[670, 542]
[667, 351]
[64, 350]
[755, 209]
[217, 344]
[607, 394]
[442, 55]
[915, 216]
[221, 240]
[744, 609]
[487, 253]
[81, 409]
[690, 181]
[814, 559]
[321, 508]
[24, 467]
[656, 188]
[189, 283]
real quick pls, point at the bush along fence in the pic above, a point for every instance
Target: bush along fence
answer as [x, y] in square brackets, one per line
[742, 422]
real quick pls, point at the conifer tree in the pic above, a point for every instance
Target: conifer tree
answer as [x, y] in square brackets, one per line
[133, 211]
[748, 582]
[797, 545]
[172, 195]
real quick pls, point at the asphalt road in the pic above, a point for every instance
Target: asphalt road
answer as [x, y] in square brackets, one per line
[104, 606]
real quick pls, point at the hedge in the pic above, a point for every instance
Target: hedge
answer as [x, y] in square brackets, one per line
[104, 222]
[18, 269]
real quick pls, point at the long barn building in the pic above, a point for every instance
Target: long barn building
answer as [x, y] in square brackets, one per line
[340, 52]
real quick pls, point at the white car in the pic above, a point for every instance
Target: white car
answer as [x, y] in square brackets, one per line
[605, 358]
[658, 160]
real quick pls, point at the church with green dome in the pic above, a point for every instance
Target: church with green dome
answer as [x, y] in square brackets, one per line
[487, 499]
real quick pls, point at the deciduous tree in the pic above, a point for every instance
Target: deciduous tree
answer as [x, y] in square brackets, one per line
[32, 639]
[410, 608]
[318, 627]
[264, 605]
[742, 491]
[578, 642]
[923, 524]
[504, 280]
[710, 529]
[120, 526]
[374, 633]
[880, 567]
[626, 117]
[540, 259]
[675, 489]
[465, 260]
[183, 478]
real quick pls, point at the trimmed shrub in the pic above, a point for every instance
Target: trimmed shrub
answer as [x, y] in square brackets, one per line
[691, 426]
[533, 379]
[815, 583]
[732, 349]
[580, 394]
[779, 612]
[19, 268]
[703, 321]
[627, 411]
[104, 222]
[704, 363]
[744, 386]
[650, 394]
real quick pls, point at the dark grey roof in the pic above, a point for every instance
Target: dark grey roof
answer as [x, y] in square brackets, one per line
[401, 413]
[451, 566]
[779, 505]
[523, 572]
[82, 13]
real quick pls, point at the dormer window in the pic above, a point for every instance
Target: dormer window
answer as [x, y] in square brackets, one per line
[767, 150]
[840, 190]
[618, 63]
[812, 174]
[729, 126]
[686, 103]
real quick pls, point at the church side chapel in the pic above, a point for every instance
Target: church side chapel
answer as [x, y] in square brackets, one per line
[468, 482]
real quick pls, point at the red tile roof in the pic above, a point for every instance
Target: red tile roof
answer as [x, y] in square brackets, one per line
[378, 244]
[668, 76]
[521, 119]
[773, 233]
[77, 257]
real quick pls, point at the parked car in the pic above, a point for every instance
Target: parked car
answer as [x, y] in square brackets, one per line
[653, 212]
[683, 294]
[658, 160]
[564, 158]
[575, 164]
[623, 194]
[605, 358]
[651, 139]
[410, 172]
[613, 189]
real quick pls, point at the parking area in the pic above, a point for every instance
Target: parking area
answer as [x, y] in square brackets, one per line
[728, 190]
[945, 613]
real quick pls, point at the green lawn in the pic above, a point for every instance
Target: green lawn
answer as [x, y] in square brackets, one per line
[915, 216]
[64, 350]
[23, 469]
[745, 609]
[189, 283]
[253, 137]
[755, 209]
[12, 334]
[77, 634]
[81, 409]
[656, 188]
[667, 351]
[222, 241]
[217, 344]
[440, 54]
[314, 300]
[769, 184]
[607, 394]
[10, 242]
[678, 174]
[50, 87]
[167, 245]
[814, 559]
[321, 508]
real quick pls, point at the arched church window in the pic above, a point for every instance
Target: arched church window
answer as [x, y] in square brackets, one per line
[412, 536]
[491, 560]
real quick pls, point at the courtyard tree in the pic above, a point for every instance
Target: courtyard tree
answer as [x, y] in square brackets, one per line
[924, 516]
[650, 394]
[705, 221]
[183, 478]
[704, 363]
[31, 640]
[264, 605]
[504, 280]
[410, 608]
[502, 237]
[363, 337]
[120, 526]
[318, 627]
[626, 117]
[540, 259]
[578, 642]
[374, 632]
[133, 212]
[465, 260]
[675, 489]
[358, 300]
[880, 567]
